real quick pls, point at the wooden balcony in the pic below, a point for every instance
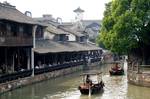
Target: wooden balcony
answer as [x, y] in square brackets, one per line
[16, 41]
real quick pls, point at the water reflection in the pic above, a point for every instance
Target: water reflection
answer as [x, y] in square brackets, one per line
[135, 92]
[116, 87]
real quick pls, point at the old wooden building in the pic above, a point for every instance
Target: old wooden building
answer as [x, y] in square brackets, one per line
[61, 46]
[16, 39]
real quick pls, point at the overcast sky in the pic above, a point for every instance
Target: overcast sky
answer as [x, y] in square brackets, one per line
[61, 8]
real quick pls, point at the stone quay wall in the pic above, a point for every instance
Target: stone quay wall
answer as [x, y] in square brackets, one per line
[141, 79]
[8, 86]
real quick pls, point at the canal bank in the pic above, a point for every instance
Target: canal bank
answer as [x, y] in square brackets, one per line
[139, 75]
[37, 78]
[21, 82]
[140, 79]
[66, 87]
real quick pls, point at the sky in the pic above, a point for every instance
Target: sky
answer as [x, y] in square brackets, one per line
[61, 8]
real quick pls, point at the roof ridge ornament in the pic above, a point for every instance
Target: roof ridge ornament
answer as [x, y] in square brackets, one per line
[6, 4]
[78, 10]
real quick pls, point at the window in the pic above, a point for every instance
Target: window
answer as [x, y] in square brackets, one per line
[39, 32]
[61, 37]
[67, 38]
[82, 39]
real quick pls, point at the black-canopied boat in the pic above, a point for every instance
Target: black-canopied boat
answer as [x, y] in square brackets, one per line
[116, 70]
[91, 86]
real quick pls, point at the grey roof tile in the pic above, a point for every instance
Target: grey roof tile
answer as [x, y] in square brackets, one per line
[9, 12]
[49, 46]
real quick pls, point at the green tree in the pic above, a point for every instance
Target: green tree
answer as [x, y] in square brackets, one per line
[126, 27]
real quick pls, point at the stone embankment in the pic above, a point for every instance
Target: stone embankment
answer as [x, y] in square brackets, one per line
[139, 78]
[4, 87]
[11, 85]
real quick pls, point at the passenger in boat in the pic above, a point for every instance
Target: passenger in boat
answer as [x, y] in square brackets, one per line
[116, 67]
[88, 80]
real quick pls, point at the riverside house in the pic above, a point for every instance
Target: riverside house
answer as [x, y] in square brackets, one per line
[16, 42]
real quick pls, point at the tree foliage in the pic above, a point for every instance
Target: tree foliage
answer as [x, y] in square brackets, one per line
[126, 25]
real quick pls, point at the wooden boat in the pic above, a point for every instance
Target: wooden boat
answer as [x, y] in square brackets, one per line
[93, 87]
[116, 70]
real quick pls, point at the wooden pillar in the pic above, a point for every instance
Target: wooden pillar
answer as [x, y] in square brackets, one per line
[66, 57]
[18, 57]
[98, 53]
[56, 59]
[90, 53]
[44, 59]
[84, 58]
[72, 56]
[63, 57]
[29, 59]
[32, 51]
[94, 53]
[50, 58]
[76, 56]
[60, 58]
[6, 60]
[79, 56]
[13, 62]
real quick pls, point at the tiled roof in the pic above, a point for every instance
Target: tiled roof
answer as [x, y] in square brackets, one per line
[9, 12]
[48, 46]
[70, 31]
[55, 30]
[88, 22]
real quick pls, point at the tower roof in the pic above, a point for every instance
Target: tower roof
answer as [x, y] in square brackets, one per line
[78, 10]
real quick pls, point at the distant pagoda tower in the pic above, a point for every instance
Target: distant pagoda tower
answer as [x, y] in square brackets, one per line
[79, 14]
[78, 18]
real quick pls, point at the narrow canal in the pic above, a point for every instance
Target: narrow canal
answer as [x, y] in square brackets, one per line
[66, 87]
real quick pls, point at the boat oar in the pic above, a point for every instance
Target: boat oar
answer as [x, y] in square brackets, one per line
[89, 91]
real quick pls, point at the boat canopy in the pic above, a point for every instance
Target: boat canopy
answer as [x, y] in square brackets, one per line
[93, 72]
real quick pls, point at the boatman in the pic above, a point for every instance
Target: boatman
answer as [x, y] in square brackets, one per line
[116, 67]
[88, 80]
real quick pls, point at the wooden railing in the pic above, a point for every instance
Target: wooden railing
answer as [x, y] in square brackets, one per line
[26, 73]
[144, 68]
[95, 60]
[16, 41]
[133, 68]
[13, 76]
[57, 67]
[140, 68]
[21, 74]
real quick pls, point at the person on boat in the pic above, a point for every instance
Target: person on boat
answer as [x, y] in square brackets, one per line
[88, 80]
[116, 67]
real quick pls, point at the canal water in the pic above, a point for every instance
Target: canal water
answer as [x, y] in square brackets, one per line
[66, 87]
